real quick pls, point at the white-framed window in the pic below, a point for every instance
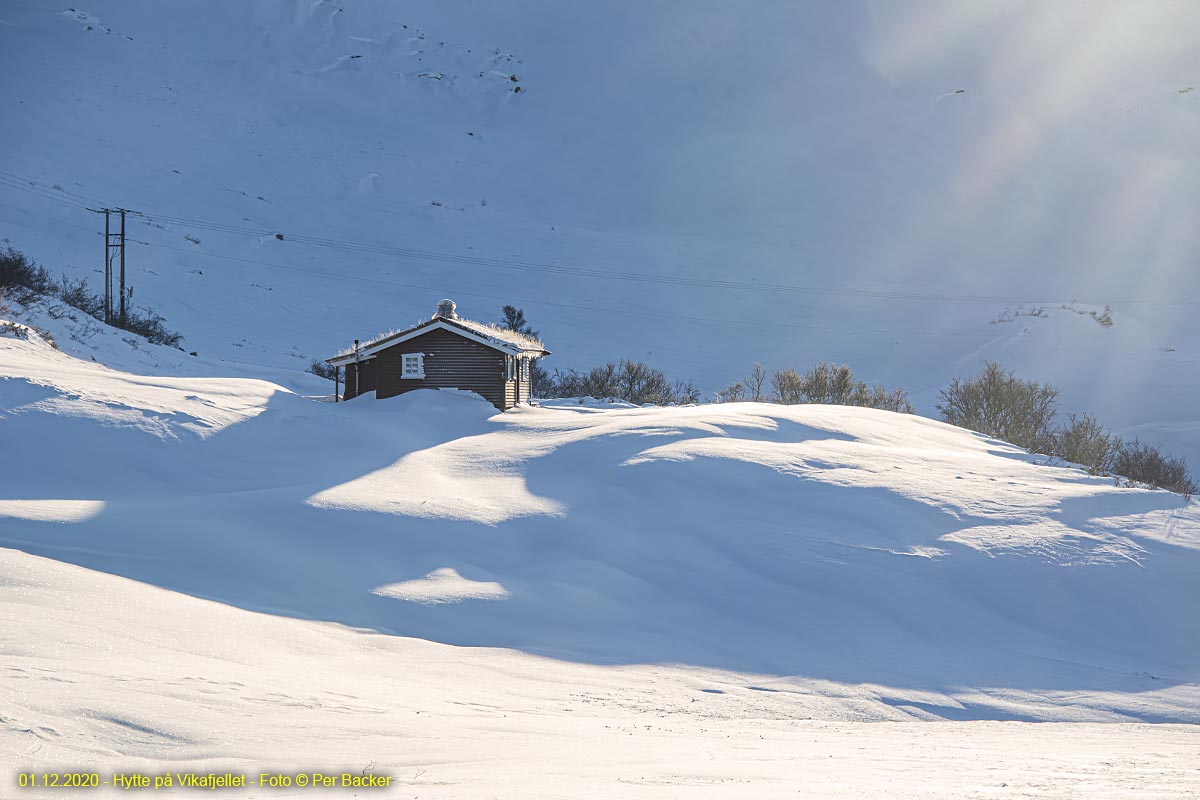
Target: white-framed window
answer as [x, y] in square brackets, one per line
[510, 368]
[412, 365]
[525, 362]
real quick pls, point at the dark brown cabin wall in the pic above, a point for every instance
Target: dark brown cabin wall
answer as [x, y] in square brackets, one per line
[353, 372]
[367, 384]
[451, 362]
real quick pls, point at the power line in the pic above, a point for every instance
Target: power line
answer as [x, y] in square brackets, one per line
[24, 210]
[390, 250]
[525, 301]
[756, 322]
[55, 188]
[17, 182]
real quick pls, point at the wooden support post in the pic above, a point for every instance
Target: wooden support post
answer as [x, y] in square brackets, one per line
[107, 272]
[122, 268]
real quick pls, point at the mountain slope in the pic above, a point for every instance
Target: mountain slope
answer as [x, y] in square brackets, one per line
[669, 183]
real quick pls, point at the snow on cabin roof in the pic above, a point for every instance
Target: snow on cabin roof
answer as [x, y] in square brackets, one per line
[509, 341]
[522, 340]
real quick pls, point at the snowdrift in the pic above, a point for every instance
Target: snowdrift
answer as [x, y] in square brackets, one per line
[873, 565]
[673, 183]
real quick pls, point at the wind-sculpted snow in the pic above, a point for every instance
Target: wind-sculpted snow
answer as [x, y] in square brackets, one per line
[699, 190]
[822, 546]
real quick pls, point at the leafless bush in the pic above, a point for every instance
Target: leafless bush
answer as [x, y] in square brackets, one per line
[77, 293]
[733, 393]
[150, 326]
[30, 281]
[686, 393]
[632, 381]
[322, 370]
[834, 385]
[787, 387]
[1085, 441]
[750, 388]
[540, 380]
[23, 277]
[999, 404]
[1146, 464]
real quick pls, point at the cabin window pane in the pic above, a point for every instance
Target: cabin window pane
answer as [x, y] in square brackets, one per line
[413, 365]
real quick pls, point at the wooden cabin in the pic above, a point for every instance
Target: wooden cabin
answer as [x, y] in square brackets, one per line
[444, 352]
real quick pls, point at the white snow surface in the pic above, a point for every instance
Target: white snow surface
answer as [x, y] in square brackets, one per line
[206, 566]
[747, 599]
[673, 183]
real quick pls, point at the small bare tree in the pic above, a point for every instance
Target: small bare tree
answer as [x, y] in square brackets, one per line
[754, 383]
[999, 404]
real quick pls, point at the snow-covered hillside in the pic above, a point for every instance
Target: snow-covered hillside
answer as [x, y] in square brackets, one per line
[680, 182]
[701, 579]
[205, 565]
[833, 545]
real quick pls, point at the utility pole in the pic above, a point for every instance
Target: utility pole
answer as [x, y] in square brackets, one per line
[122, 268]
[114, 249]
[107, 272]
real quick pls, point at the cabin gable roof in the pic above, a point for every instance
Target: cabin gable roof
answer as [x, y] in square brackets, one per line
[469, 330]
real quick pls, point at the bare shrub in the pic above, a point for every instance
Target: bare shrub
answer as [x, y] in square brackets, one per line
[733, 393]
[28, 282]
[631, 381]
[787, 387]
[150, 326]
[686, 393]
[999, 404]
[602, 381]
[835, 385]
[78, 294]
[641, 383]
[1085, 441]
[23, 276]
[540, 380]
[1146, 464]
[323, 370]
[567, 383]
